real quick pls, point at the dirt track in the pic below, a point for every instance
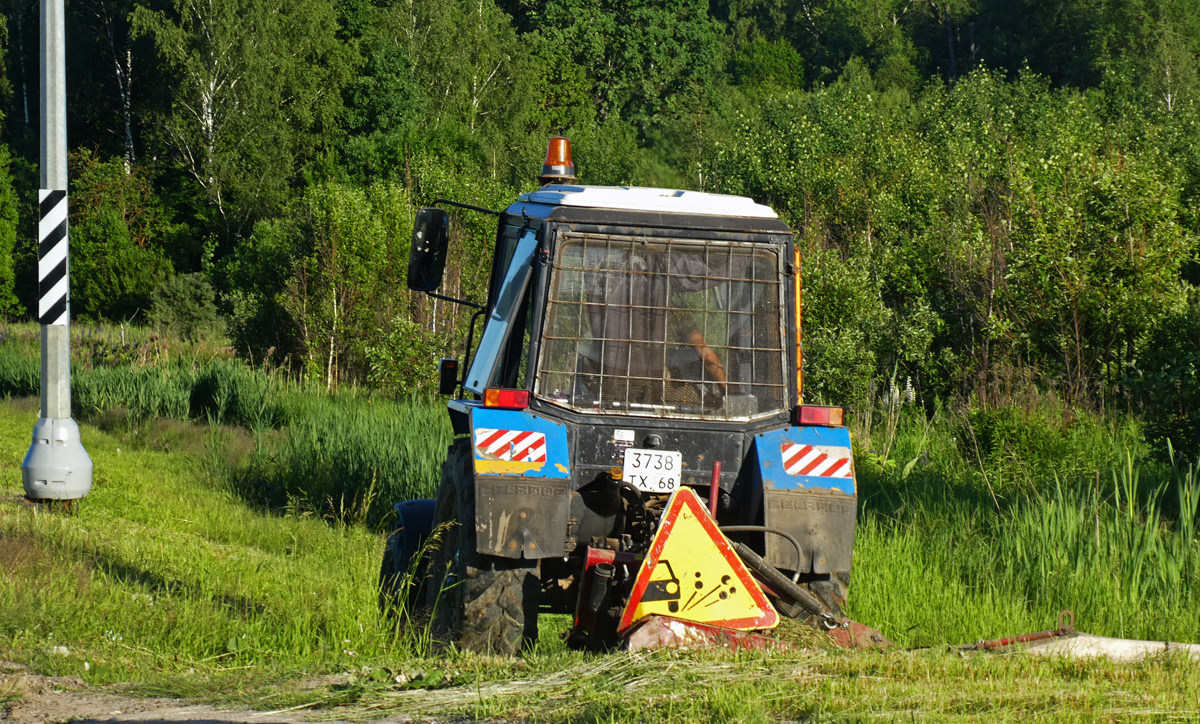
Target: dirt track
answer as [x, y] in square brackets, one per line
[47, 700]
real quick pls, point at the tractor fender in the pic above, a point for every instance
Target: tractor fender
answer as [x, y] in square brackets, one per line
[805, 476]
[522, 483]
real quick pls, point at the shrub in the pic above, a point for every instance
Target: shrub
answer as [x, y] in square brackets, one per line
[185, 306]
[119, 237]
[402, 362]
[1166, 387]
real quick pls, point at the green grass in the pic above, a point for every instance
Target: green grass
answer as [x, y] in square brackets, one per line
[348, 458]
[166, 580]
[231, 544]
[163, 571]
[348, 455]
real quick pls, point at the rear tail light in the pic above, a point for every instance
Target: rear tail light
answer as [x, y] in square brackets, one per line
[506, 399]
[817, 415]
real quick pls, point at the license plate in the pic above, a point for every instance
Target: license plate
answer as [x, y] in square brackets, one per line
[652, 471]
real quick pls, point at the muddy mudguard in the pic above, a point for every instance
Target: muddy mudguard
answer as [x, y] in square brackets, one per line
[806, 479]
[482, 603]
[522, 483]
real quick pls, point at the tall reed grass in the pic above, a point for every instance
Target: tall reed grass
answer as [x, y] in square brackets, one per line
[217, 389]
[347, 455]
[349, 458]
[966, 532]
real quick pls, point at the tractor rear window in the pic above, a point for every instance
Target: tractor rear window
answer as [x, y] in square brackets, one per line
[664, 327]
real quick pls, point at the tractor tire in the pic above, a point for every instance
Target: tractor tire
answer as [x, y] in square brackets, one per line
[481, 603]
[401, 584]
[405, 560]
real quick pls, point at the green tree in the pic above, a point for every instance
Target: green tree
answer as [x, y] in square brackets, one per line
[319, 286]
[255, 276]
[828, 33]
[8, 238]
[8, 205]
[1166, 383]
[1154, 44]
[256, 97]
[102, 60]
[119, 237]
[384, 111]
[773, 64]
[992, 226]
[448, 78]
[643, 58]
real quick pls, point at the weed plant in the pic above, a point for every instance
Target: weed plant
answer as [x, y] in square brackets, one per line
[349, 458]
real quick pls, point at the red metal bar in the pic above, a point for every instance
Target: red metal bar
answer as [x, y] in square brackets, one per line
[1066, 627]
[714, 493]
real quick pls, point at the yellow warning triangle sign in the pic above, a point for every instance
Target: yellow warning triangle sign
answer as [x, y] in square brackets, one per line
[692, 573]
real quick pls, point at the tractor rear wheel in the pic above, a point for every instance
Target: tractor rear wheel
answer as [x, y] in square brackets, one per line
[405, 560]
[482, 603]
[389, 581]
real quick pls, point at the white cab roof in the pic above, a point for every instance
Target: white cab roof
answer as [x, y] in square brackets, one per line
[634, 198]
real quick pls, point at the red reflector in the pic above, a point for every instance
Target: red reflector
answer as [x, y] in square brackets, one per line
[818, 415]
[511, 399]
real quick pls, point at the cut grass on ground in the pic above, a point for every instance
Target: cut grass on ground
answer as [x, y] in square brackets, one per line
[163, 570]
[168, 582]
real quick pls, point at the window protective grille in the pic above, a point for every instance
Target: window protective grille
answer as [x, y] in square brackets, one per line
[664, 327]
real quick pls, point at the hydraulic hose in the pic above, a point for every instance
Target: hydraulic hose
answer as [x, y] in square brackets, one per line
[632, 495]
[775, 531]
[779, 581]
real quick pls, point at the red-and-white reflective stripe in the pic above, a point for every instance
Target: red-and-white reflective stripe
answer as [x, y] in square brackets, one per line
[516, 445]
[808, 460]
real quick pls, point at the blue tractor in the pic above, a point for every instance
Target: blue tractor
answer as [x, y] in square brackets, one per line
[635, 340]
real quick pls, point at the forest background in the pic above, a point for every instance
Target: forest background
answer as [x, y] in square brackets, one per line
[993, 197]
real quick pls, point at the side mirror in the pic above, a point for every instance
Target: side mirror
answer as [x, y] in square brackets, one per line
[427, 258]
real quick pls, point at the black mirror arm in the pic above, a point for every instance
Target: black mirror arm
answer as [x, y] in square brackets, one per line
[463, 302]
[479, 308]
[461, 205]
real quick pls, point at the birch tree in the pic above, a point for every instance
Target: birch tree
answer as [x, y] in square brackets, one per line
[257, 95]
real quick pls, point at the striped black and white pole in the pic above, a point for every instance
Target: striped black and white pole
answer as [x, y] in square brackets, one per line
[52, 257]
[57, 467]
